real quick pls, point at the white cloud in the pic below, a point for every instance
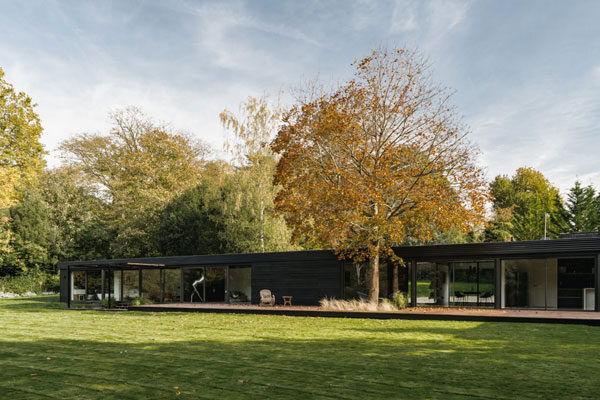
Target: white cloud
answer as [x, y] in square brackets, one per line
[544, 125]
[404, 17]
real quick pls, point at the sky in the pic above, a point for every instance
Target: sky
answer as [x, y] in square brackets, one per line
[526, 74]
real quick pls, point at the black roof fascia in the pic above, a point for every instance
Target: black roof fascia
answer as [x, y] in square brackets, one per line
[213, 259]
[484, 250]
[530, 248]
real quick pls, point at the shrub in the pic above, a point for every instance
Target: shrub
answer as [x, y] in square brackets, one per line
[105, 303]
[400, 300]
[33, 281]
[140, 301]
[356, 305]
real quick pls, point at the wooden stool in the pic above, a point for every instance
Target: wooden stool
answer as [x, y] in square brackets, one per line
[287, 300]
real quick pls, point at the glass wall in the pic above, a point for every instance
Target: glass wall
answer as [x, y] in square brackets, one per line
[78, 292]
[459, 283]
[356, 276]
[433, 284]
[355, 281]
[151, 280]
[94, 289]
[472, 283]
[529, 283]
[575, 280]
[172, 283]
[191, 275]
[240, 284]
[215, 284]
[131, 283]
[212, 286]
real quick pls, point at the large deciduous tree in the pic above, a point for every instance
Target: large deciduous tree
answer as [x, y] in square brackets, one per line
[139, 166]
[20, 149]
[382, 157]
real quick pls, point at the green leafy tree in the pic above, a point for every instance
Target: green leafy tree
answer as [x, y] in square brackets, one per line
[75, 209]
[188, 225]
[58, 218]
[520, 205]
[139, 167]
[21, 153]
[30, 226]
[248, 194]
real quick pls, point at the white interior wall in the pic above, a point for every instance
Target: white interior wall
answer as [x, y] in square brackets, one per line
[117, 286]
[443, 268]
[542, 280]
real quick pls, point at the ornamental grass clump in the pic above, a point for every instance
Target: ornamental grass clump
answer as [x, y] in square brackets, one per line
[400, 300]
[356, 305]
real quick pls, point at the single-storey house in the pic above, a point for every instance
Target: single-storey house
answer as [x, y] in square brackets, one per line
[541, 274]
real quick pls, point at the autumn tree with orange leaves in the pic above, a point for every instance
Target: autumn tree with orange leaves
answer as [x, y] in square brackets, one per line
[381, 157]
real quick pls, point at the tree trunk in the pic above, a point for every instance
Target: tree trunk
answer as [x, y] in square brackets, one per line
[395, 283]
[374, 274]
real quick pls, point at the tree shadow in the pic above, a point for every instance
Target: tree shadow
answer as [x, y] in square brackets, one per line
[33, 303]
[388, 363]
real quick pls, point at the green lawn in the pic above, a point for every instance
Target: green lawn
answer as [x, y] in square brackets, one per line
[48, 352]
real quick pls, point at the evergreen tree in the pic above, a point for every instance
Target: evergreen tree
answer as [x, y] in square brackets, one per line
[581, 207]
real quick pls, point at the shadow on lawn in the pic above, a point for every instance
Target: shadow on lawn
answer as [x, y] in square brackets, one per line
[33, 303]
[212, 367]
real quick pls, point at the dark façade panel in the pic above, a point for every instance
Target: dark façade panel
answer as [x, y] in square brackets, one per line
[307, 282]
[64, 286]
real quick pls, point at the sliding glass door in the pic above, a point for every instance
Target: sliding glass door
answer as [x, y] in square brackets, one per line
[549, 283]
[472, 283]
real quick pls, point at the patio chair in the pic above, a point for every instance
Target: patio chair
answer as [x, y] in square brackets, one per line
[486, 296]
[459, 297]
[266, 297]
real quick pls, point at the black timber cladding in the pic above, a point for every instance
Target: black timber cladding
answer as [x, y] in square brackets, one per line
[557, 247]
[307, 282]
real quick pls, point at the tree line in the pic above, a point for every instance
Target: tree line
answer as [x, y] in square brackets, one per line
[382, 160]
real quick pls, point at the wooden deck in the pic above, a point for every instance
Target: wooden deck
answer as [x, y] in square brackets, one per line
[441, 314]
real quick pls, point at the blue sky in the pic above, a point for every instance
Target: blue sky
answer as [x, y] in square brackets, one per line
[526, 73]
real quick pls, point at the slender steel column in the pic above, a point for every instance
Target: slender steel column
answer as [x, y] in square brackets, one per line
[413, 283]
[498, 283]
[161, 280]
[181, 293]
[109, 286]
[103, 276]
[68, 286]
[140, 283]
[227, 285]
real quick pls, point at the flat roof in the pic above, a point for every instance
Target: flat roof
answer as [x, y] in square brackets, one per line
[210, 259]
[531, 248]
